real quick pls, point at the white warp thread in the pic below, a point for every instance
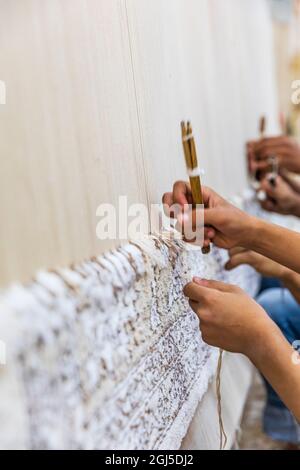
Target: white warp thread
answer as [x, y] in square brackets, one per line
[195, 172]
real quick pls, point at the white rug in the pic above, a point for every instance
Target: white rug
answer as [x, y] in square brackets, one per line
[108, 355]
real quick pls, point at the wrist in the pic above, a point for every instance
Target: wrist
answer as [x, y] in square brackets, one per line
[252, 233]
[291, 281]
[266, 338]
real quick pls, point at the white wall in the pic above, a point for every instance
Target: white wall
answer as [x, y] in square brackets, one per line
[96, 90]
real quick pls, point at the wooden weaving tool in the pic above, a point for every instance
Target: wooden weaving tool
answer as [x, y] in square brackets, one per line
[262, 131]
[273, 161]
[191, 161]
[262, 127]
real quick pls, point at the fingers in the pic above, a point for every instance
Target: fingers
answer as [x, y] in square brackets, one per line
[195, 292]
[209, 233]
[175, 201]
[289, 179]
[181, 193]
[201, 290]
[167, 201]
[270, 143]
[236, 250]
[267, 152]
[197, 218]
[204, 296]
[261, 165]
[215, 285]
[191, 225]
[251, 144]
[272, 191]
[238, 260]
[269, 205]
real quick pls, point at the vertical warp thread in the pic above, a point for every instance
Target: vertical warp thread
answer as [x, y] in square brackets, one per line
[223, 436]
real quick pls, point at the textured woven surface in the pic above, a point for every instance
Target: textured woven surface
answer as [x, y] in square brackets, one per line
[109, 354]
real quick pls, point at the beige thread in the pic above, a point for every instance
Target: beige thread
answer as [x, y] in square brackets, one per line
[223, 436]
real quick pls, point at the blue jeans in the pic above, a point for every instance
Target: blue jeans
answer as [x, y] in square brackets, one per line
[278, 421]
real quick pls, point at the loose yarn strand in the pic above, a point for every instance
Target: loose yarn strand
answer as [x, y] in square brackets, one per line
[223, 436]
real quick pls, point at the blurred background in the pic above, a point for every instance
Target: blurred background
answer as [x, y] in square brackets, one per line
[95, 92]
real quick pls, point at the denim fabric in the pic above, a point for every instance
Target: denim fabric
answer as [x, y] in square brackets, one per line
[269, 283]
[281, 306]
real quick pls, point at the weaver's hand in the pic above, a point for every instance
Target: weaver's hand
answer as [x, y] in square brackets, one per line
[285, 148]
[225, 225]
[281, 198]
[229, 318]
[265, 266]
[291, 179]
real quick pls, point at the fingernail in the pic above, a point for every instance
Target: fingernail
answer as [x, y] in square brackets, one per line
[199, 281]
[211, 234]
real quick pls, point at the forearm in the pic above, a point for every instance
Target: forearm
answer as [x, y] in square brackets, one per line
[274, 242]
[295, 205]
[274, 359]
[291, 281]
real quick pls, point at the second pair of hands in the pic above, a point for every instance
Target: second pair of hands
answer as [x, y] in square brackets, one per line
[230, 319]
[284, 197]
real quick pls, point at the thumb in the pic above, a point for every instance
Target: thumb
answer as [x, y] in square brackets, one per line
[216, 285]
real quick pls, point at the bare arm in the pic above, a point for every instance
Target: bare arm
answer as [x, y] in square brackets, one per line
[233, 321]
[230, 319]
[280, 244]
[274, 359]
[228, 227]
[291, 281]
[266, 267]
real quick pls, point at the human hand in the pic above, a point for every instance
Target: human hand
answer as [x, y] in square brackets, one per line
[291, 179]
[225, 225]
[281, 197]
[268, 268]
[229, 318]
[285, 148]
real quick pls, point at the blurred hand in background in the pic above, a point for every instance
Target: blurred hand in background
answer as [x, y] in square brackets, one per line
[285, 148]
[282, 195]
